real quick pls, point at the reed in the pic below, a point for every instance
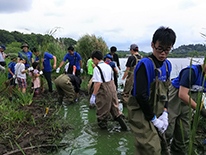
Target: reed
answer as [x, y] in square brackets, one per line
[193, 123]
[87, 44]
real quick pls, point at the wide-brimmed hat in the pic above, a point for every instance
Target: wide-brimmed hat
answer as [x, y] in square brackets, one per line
[25, 45]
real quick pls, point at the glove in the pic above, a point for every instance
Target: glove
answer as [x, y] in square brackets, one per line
[58, 69]
[92, 99]
[121, 83]
[14, 76]
[30, 69]
[164, 118]
[81, 70]
[40, 72]
[203, 112]
[159, 124]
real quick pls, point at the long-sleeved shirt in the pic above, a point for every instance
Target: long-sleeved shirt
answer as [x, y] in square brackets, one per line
[141, 89]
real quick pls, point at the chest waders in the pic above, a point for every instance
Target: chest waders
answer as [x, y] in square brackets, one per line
[147, 140]
[106, 102]
[129, 82]
[178, 110]
[65, 87]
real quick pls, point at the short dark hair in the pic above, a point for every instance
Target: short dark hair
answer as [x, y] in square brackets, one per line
[34, 49]
[34, 64]
[97, 54]
[113, 49]
[22, 58]
[165, 35]
[71, 48]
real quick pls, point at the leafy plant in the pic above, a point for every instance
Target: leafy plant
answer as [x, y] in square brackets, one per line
[193, 124]
[87, 44]
[25, 99]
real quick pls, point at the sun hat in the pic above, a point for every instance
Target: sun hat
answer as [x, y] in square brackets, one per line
[24, 45]
[3, 46]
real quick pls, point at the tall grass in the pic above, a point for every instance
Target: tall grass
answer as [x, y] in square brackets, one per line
[193, 123]
[87, 44]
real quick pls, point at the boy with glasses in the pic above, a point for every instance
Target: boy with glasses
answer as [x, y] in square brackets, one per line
[147, 105]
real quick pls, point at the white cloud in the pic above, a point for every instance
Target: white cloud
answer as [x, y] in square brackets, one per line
[119, 23]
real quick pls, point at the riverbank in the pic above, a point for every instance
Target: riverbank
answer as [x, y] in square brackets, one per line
[40, 134]
[36, 132]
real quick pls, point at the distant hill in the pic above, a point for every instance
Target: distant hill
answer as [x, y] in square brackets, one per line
[196, 50]
[32, 39]
[191, 50]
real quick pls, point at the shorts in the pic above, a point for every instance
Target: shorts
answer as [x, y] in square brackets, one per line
[21, 83]
[12, 82]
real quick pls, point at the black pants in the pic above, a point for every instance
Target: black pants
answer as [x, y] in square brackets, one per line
[47, 75]
[115, 80]
[3, 63]
[70, 71]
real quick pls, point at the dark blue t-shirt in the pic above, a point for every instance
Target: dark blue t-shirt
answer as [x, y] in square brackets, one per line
[185, 74]
[46, 63]
[71, 59]
[111, 63]
[12, 68]
[28, 55]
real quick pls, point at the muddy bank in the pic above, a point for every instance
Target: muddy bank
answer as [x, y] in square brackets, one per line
[38, 132]
[41, 135]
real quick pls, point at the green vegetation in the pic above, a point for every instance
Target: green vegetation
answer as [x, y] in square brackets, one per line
[197, 50]
[32, 39]
[87, 44]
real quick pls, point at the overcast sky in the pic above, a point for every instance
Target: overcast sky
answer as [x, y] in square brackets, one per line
[119, 23]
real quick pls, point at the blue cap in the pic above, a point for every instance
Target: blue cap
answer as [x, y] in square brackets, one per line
[3, 46]
[108, 56]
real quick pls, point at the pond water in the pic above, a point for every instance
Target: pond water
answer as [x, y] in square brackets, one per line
[87, 139]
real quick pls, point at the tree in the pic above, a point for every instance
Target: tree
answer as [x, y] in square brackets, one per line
[6, 37]
[13, 47]
[87, 44]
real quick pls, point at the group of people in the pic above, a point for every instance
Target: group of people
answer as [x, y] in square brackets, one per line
[157, 106]
[25, 64]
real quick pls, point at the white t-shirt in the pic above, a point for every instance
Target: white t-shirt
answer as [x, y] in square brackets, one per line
[19, 68]
[106, 70]
[1, 57]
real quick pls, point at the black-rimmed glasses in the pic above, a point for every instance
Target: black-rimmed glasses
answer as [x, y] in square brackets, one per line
[160, 50]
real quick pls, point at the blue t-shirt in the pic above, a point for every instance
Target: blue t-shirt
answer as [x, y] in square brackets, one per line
[71, 59]
[111, 63]
[28, 55]
[46, 63]
[12, 68]
[193, 81]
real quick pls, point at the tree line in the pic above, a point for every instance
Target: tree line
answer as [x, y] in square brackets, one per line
[32, 39]
[191, 50]
[14, 39]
